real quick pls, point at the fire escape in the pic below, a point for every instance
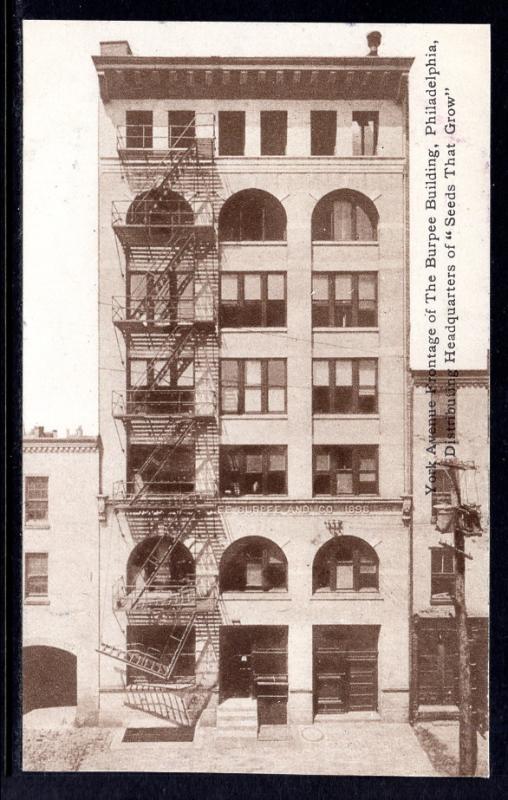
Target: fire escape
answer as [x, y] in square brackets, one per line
[168, 321]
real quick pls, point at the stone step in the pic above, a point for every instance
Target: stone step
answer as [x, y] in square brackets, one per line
[237, 733]
[233, 722]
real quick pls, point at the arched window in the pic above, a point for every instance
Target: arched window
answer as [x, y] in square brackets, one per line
[160, 209]
[177, 569]
[345, 216]
[345, 563]
[253, 564]
[252, 216]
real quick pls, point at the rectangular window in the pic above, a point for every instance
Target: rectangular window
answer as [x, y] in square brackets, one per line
[36, 499]
[323, 132]
[231, 133]
[253, 299]
[252, 470]
[253, 386]
[139, 130]
[36, 574]
[340, 470]
[445, 417]
[274, 126]
[344, 386]
[442, 579]
[442, 494]
[365, 132]
[181, 129]
[344, 300]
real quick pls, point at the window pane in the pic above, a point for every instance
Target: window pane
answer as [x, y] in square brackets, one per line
[365, 231]
[230, 397]
[162, 373]
[320, 287]
[273, 132]
[367, 464]
[254, 574]
[276, 462]
[367, 373]
[138, 373]
[36, 488]
[323, 125]
[322, 462]
[253, 373]
[276, 400]
[231, 133]
[252, 400]
[367, 287]
[276, 372]
[252, 287]
[343, 287]
[186, 376]
[320, 373]
[275, 287]
[344, 576]
[253, 462]
[343, 373]
[229, 287]
[344, 483]
[229, 371]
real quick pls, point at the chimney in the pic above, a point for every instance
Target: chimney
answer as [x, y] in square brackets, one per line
[373, 40]
[79, 431]
[115, 48]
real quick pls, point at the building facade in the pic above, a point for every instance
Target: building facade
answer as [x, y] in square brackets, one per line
[450, 420]
[254, 395]
[60, 573]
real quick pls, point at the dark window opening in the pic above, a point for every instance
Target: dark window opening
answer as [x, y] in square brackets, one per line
[345, 564]
[253, 299]
[159, 565]
[365, 133]
[342, 470]
[252, 470]
[231, 133]
[160, 386]
[161, 470]
[139, 130]
[36, 499]
[345, 216]
[181, 129]
[344, 300]
[252, 215]
[344, 386]
[150, 210]
[273, 133]
[442, 491]
[323, 132]
[442, 580]
[36, 575]
[253, 386]
[253, 564]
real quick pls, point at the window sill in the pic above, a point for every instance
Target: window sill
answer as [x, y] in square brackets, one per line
[347, 498]
[439, 602]
[345, 595]
[253, 243]
[36, 601]
[260, 498]
[254, 416]
[41, 526]
[331, 243]
[341, 329]
[254, 329]
[253, 595]
[338, 415]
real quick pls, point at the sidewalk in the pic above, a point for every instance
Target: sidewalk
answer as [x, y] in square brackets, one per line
[370, 748]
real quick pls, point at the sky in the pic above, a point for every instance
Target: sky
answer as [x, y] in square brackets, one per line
[60, 181]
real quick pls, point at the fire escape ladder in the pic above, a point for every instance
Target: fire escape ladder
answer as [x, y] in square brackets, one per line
[161, 355]
[182, 431]
[180, 640]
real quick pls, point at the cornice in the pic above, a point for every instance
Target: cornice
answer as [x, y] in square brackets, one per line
[90, 445]
[474, 377]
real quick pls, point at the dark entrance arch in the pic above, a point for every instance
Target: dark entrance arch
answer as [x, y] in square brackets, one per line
[49, 678]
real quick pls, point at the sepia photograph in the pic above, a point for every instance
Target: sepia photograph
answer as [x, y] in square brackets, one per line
[256, 398]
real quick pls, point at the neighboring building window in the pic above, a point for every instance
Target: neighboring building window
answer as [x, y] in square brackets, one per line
[340, 470]
[253, 299]
[231, 133]
[181, 129]
[345, 216]
[344, 386]
[345, 564]
[253, 386]
[252, 215]
[365, 133]
[253, 564]
[344, 300]
[36, 499]
[323, 132]
[252, 470]
[36, 574]
[442, 494]
[274, 126]
[442, 578]
[139, 130]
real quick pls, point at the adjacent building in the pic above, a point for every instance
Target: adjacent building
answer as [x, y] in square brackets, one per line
[60, 572]
[254, 394]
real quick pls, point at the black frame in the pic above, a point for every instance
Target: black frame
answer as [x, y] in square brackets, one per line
[264, 385]
[236, 479]
[323, 132]
[338, 313]
[363, 118]
[139, 129]
[263, 313]
[344, 453]
[329, 395]
[356, 553]
[230, 123]
[274, 131]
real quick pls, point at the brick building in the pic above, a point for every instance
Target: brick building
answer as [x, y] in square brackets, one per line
[254, 393]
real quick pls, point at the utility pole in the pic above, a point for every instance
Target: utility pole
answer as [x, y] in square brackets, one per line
[463, 521]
